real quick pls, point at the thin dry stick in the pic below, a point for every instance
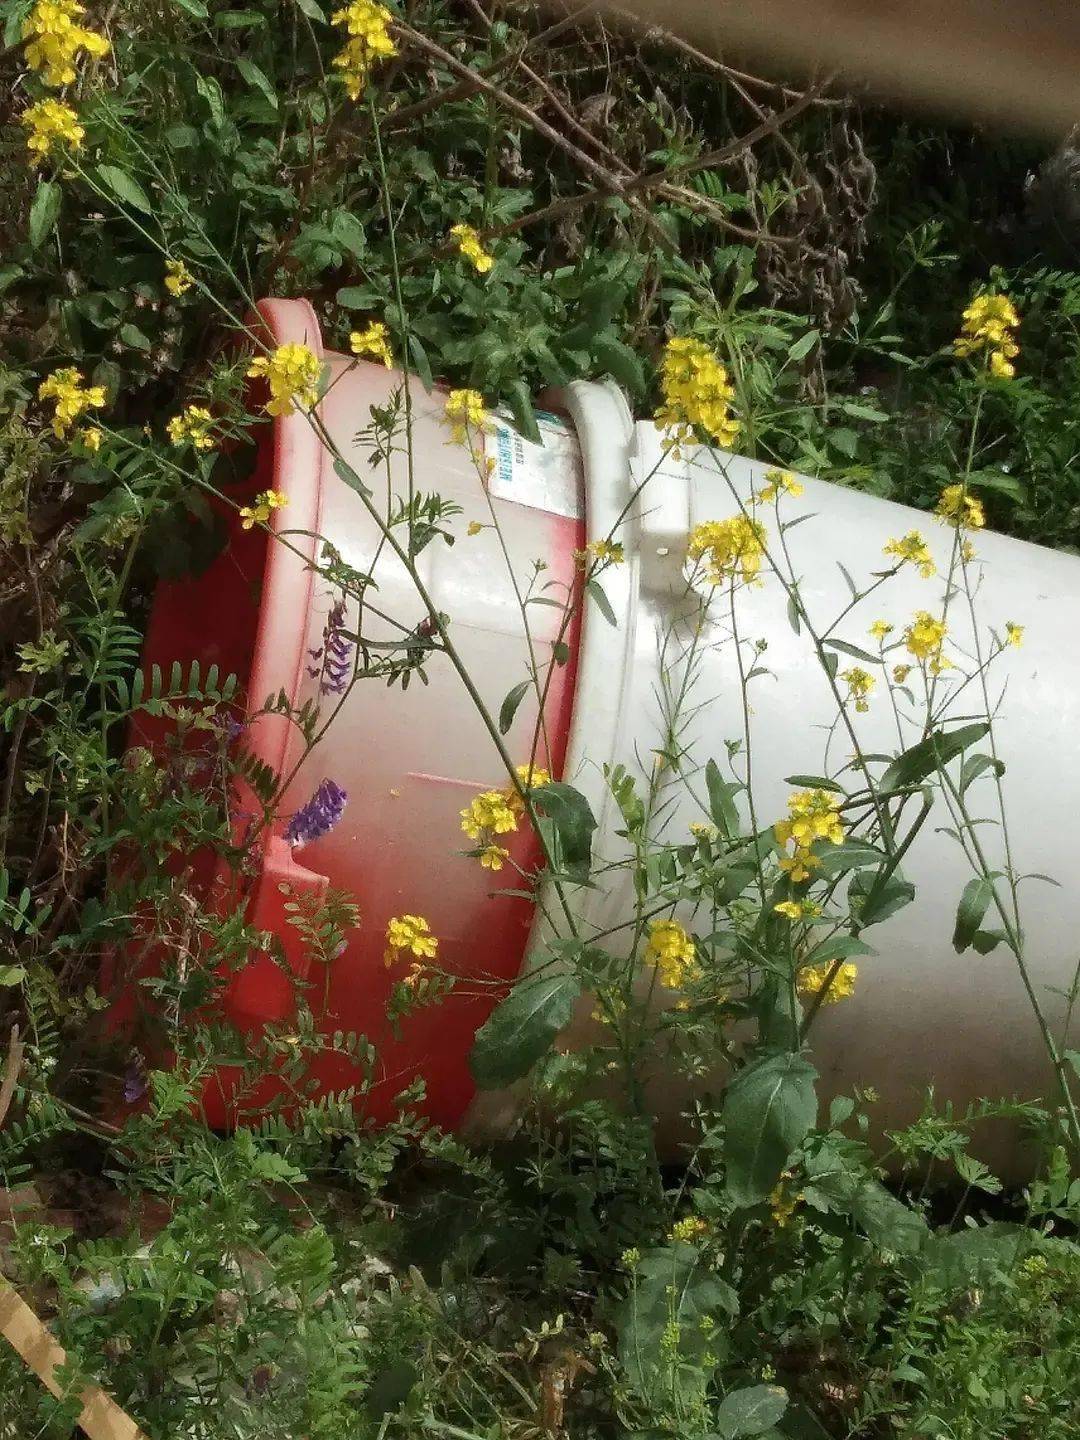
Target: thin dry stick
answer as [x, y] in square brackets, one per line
[11, 1073]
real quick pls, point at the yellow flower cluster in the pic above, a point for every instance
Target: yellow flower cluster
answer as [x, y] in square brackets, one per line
[409, 934]
[465, 410]
[292, 372]
[813, 817]
[860, 683]
[956, 507]
[728, 548]
[192, 425]
[374, 341]
[671, 950]
[606, 552]
[784, 1204]
[690, 1227]
[697, 395]
[798, 909]
[56, 40]
[50, 123]
[912, 549]
[1014, 634]
[779, 482]
[988, 328]
[90, 437]
[178, 278]
[496, 812]
[71, 397]
[470, 245]
[368, 27]
[812, 979]
[924, 638]
[266, 502]
[880, 629]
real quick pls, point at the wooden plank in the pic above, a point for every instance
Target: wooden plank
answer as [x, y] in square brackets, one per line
[100, 1418]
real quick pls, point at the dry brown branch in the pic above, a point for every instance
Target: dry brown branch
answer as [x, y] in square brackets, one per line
[12, 1066]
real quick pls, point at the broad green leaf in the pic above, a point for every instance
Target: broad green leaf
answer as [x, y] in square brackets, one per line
[522, 1028]
[124, 187]
[975, 765]
[803, 345]
[519, 398]
[620, 362]
[603, 604]
[419, 357]
[974, 903]
[854, 854]
[573, 824]
[837, 1182]
[509, 707]
[840, 947]
[12, 974]
[872, 900]
[258, 80]
[855, 651]
[312, 11]
[749, 1411]
[44, 210]
[929, 755]
[768, 1108]
[722, 805]
[815, 782]
[671, 1284]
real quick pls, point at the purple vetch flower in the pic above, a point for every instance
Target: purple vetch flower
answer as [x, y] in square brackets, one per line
[318, 817]
[134, 1081]
[335, 653]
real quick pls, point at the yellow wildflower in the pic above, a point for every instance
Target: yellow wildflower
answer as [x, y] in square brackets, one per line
[368, 27]
[493, 857]
[671, 950]
[777, 482]
[925, 635]
[50, 123]
[813, 977]
[956, 507]
[292, 372]
[914, 549]
[609, 552]
[474, 527]
[697, 395]
[900, 673]
[469, 244]
[813, 817]
[860, 683]
[409, 934]
[266, 502]
[798, 909]
[89, 438]
[56, 39]
[465, 410]
[783, 1204]
[71, 396]
[1014, 634]
[488, 814]
[193, 425]
[532, 777]
[988, 329]
[178, 278]
[373, 340]
[880, 629]
[967, 551]
[690, 1227]
[702, 831]
[728, 548]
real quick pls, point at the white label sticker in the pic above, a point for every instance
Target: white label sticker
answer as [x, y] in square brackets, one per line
[547, 477]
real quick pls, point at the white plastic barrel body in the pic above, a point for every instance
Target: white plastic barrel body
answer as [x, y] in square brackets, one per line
[922, 1016]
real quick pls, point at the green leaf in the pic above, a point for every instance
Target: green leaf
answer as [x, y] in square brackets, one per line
[44, 210]
[983, 941]
[872, 901]
[519, 398]
[344, 471]
[12, 974]
[258, 80]
[522, 1029]
[840, 947]
[749, 1411]
[603, 604]
[671, 1284]
[509, 707]
[854, 651]
[803, 345]
[974, 903]
[975, 765]
[862, 412]
[420, 359]
[768, 1108]
[722, 807]
[136, 338]
[312, 11]
[815, 782]
[837, 1182]
[8, 275]
[124, 187]
[620, 362]
[857, 854]
[573, 824]
[355, 297]
[930, 755]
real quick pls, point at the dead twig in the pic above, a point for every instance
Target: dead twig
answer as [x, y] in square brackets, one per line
[12, 1067]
